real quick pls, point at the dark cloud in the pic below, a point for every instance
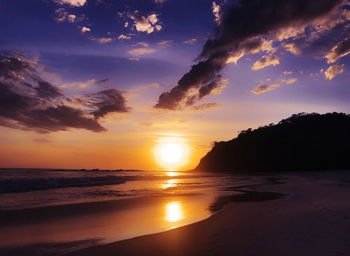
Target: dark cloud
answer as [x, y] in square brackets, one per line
[13, 104]
[31, 103]
[252, 18]
[339, 50]
[105, 102]
[47, 91]
[13, 67]
[102, 81]
[60, 118]
[202, 74]
[322, 42]
[343, 47]
[240, 30]
[25, 112]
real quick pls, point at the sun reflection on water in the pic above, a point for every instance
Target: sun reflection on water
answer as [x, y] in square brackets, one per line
[172, 173]
[173, 212]
[170, 184]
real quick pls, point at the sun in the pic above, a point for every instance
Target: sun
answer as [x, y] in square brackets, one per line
[171, 153]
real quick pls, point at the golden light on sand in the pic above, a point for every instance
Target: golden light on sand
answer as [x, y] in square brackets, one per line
[174, 212]
[171, 152]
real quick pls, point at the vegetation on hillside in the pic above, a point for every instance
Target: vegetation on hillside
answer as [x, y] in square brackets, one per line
[300, 142]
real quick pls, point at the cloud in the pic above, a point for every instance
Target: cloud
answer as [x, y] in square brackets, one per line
[101, 81]
[287, 72]
[179, 97]
[216, 11]
[243, 29]
[58, 118]
[85, 29]
[144, 87]
[190, 41]
[61, 14]
[71, 18]
[28, 102]
[251, 47]
[292, 48]
[160, 1]
[334, 70]
[338, 51]
[288, 81]
[16, 68]
[265, 88]
[73, 3]
[321, 34]
[206, 106]
[134, 59]
[78, 85]
[266, 61]
[123, 37]
[105, 102]
[165, 43]
[143, 44]
[102, 40]
[291, 81]
[141, 51]
[147, 24]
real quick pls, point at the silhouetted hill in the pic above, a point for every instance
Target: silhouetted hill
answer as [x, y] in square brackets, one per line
[300, 142]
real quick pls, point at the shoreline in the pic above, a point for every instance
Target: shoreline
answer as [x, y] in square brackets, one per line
[313, 219]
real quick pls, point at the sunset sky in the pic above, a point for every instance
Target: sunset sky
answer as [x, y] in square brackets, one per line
[101, 83]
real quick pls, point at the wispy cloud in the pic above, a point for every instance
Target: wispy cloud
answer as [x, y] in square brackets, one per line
[206, 106]
[144, 87]
[124, 37]
[333, 71]
[338, 51]
[265, 88]
[160, 1]
[266, 61]
[102, 40]
[190, 41]
[165, 43]
[216, 11]
[288, 81]
[78, 85]
[73, 3]
[141, 51]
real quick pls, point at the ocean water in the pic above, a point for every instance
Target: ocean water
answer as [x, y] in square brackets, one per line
[71, 209]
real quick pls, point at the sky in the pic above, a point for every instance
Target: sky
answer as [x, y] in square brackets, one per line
[103, 83]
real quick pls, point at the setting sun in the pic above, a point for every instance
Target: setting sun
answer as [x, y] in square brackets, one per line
[171, 153]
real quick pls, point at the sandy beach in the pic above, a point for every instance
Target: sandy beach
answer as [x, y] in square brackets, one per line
[312, 219]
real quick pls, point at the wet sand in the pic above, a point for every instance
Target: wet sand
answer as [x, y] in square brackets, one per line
[312, 218]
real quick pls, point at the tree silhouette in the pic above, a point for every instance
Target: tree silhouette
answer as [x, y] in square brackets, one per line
[300, 142]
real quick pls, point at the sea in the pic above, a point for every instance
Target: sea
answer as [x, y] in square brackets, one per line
[52, 212]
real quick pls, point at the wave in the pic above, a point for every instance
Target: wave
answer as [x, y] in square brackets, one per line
[24, 185]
